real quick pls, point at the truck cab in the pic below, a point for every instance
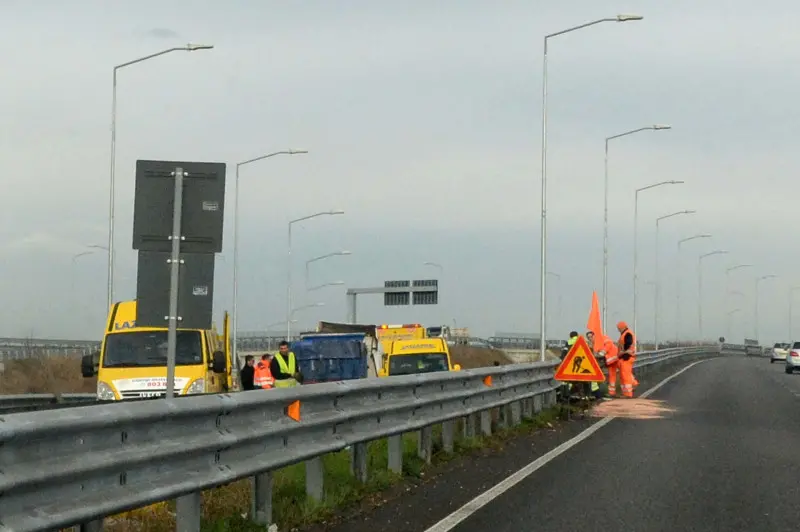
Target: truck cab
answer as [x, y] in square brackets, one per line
[132, 362]
[408, 357]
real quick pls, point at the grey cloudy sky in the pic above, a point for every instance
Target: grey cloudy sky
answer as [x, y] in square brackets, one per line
[423, 123]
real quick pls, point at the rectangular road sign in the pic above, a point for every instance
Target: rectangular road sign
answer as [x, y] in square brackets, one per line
[195, 290]
[202, 209]
[430, 297]
[396, 298]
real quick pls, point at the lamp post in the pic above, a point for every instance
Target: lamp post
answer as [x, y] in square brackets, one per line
[678, 284]
[111, 207]
[323, 257]
[658, 279]
[700, 288]
[755, 313]
[334, 283]
[729, 315]
[235, 309]
[635, 247]
[791, 302]
[654, 127]
[543, 237]
[289, 266]
[728, 280]
[294, 310]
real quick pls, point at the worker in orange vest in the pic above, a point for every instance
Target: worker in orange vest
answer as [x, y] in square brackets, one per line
[263, 375]
[611, 354]
[627, 356]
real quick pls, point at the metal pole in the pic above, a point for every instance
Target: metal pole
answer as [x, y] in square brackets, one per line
[543, 238]
[636, 242]
[605, 236]
[755, 312]
[175, 261]
[635, 259]
[111, 195]
[289, 287]
[678, 296]
[658, 292]
[235, 321]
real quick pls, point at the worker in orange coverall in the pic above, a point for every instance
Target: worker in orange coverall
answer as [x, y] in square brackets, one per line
[627, 356]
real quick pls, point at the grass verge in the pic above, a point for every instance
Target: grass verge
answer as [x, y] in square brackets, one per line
[225, 508]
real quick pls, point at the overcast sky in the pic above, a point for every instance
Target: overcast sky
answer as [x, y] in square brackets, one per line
[423, 123]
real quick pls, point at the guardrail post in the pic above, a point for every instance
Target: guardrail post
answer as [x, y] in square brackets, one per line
[447, 436]
[314, 478]
[537, 403]
[91, 526]
[187, 513]
[527, 408]
[425, 444]
[486, 422]
[358, 461]
[261, 505]
[516, 413]
[470, 422]
[395, 448]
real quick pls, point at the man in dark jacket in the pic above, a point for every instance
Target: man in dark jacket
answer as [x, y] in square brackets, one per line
[247, 373]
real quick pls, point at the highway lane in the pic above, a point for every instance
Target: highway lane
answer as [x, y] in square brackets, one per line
[723, 454]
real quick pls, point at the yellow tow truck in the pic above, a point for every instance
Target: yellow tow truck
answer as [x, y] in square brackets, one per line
[407, 357]
[132, 362]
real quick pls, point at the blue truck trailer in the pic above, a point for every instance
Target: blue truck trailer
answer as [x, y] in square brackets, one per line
[329, 357]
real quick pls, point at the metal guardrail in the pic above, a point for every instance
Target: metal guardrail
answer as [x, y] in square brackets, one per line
[76, 466]
[27, 402]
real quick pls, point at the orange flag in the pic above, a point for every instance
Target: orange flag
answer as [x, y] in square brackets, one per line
[594, 324]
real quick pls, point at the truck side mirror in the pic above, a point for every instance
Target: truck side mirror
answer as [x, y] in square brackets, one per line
[87, 366]
[456, 367]
[219, 363]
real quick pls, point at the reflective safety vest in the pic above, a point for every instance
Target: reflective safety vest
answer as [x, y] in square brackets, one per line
[262, 376]
[621, 344]
[572, 341]
[289, 367]
[611, 350]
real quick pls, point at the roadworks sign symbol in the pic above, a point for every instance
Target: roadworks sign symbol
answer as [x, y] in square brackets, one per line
[579, 365]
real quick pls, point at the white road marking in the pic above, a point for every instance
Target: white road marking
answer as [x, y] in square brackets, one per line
[452, 520]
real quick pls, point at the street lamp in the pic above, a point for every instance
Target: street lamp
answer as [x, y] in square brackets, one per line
[543, 237]
[654, 127]
[700, 287]
[323, 257]
[755, 313]
[294, 310]
[728, 280]
[334, 283]
[236, 235]
[730, 313]
[188, 48]
[678, 284]
[657, 279]
[635, 247]
[289, 265]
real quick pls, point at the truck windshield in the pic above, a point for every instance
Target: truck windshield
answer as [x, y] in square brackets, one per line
[419, 363]
[149, 348]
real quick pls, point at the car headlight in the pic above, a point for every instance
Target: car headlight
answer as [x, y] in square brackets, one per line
[198, 386]
[104, 392]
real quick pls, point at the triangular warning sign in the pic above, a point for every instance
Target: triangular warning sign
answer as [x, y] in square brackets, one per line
[579, 365]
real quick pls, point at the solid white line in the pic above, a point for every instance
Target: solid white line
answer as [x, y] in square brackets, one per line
[452, 520]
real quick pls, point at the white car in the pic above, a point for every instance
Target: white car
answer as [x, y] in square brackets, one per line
[793, 359]
[779, 352]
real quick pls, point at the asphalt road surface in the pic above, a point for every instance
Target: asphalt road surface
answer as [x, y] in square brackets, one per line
[715, 449]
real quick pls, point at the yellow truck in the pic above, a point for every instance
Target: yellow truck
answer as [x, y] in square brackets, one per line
[386, 334]
[132, 362]
[426, 355]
